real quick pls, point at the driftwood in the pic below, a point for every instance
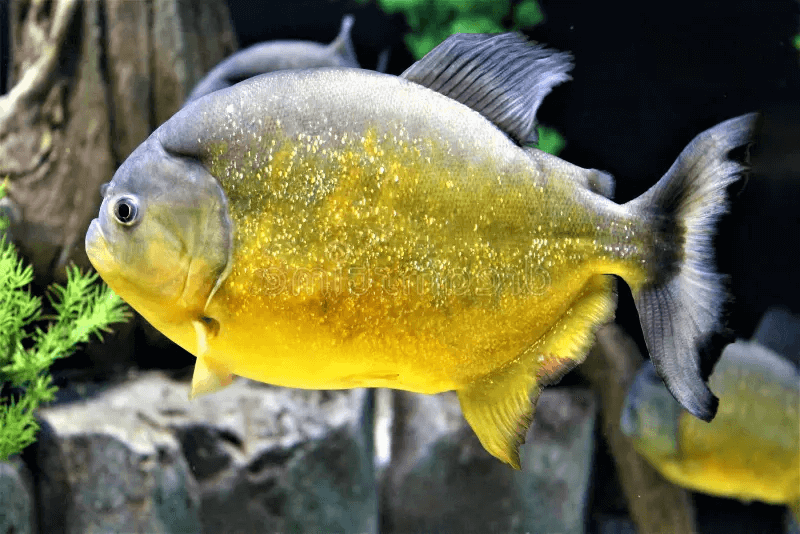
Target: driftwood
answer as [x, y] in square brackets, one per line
[655, 504]
[89, 80]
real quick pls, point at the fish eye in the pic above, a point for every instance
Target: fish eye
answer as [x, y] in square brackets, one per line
[126, 211]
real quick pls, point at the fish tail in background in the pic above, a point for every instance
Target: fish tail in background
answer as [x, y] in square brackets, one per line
[383, 60]
[681, 302]
[343, 43]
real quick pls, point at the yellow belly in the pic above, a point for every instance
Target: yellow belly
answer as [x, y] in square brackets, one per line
[410, 338]
[746, 476]
[722, 458]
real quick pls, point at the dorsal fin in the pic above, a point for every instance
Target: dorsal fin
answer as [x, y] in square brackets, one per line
[503, 77]
[343, 45]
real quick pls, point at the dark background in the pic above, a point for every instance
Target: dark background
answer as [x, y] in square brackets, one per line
[647, 79]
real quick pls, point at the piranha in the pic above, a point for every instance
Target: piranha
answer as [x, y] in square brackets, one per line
[339, 228]
[278, 55]
[750, 451]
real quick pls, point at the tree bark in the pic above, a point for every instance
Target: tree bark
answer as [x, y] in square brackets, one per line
[90, 79]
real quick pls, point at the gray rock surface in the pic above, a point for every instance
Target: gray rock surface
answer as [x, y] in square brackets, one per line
[141, 457]
[441, 480]
[16, 498]
[104, 468]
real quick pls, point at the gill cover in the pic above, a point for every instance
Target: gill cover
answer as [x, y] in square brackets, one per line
[183, 209]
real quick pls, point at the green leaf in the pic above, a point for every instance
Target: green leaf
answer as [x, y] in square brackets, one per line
[406, 6]
[17, 429]
[527, 14]
[474, 24]
[494, 9]
[419, 45]
[550, 140]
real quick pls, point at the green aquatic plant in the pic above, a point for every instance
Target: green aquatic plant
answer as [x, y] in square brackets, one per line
[81, 308]
[550, 140]
[432, 21]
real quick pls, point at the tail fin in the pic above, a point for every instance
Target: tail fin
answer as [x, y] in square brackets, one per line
[342, 44]
[681, 303]
[383, 60]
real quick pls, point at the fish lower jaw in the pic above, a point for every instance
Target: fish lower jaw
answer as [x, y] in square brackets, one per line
[97, 248]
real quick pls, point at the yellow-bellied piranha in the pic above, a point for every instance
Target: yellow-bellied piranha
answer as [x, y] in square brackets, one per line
[339, 228]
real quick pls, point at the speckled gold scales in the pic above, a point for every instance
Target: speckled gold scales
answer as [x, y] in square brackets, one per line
[400, 265]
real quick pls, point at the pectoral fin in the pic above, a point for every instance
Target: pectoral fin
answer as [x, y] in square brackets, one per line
[208, 377]
[499, 406]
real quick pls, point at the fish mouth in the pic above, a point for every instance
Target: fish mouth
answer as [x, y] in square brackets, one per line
[96, 246]
[93, 234]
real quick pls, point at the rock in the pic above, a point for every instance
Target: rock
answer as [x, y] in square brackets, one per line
[16, 498]
[382, 432]
[280, 460]
[440, 478]
[105, 469]
[249, 458]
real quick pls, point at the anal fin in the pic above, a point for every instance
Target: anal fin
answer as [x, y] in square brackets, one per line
[499, 406]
